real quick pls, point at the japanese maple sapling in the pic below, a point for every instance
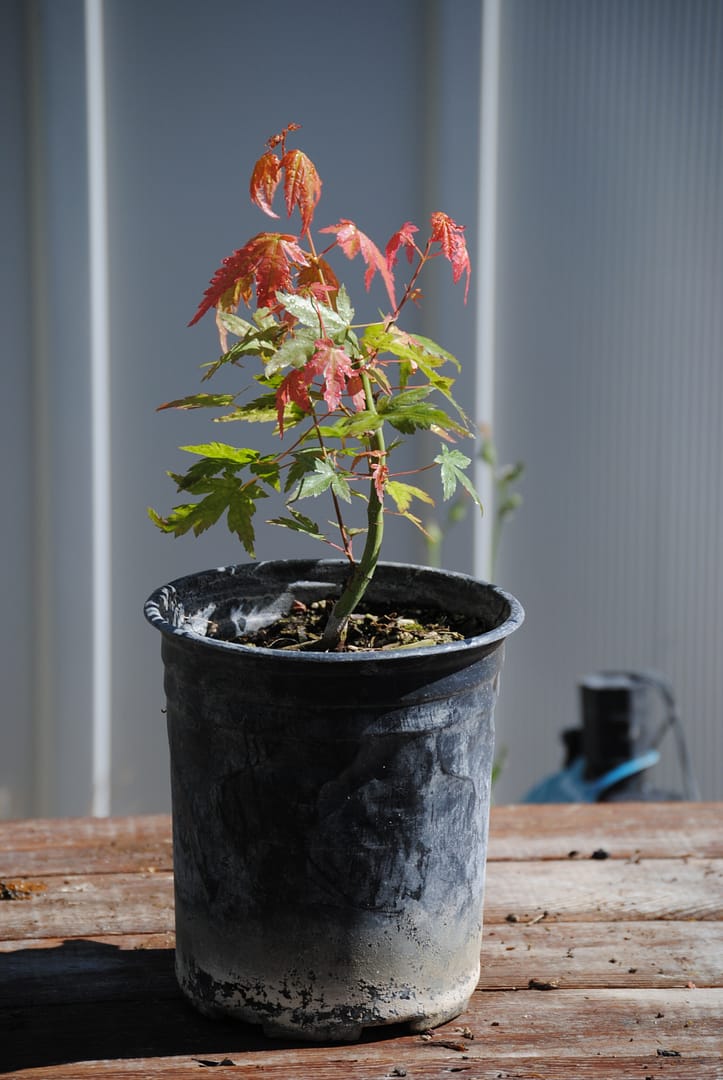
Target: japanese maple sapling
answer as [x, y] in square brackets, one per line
[341, 396]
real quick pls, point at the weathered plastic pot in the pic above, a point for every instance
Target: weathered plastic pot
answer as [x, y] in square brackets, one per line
[330, 811]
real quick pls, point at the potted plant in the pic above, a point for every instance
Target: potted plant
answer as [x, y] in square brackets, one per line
[330, 721]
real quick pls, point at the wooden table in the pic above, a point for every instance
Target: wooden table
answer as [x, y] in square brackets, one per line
[602, 958]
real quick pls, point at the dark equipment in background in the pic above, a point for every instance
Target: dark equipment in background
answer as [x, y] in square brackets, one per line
[609, 756]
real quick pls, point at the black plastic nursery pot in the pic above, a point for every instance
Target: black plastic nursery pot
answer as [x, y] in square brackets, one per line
[330, 810]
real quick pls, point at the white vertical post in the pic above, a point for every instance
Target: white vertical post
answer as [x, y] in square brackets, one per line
[486, 260]
[100, 404]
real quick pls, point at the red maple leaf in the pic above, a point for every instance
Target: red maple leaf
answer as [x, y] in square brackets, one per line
[450, 236]
[333, 364]
[294, 388]
[302, 186]
[266, 261]
[353, 241]
[404, 237]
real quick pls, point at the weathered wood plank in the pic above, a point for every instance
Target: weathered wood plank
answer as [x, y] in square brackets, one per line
[67, 972]
[87, 987]
[615, 955]
[625, 830]
[566, 955]
[93, 904]
[696, 1067]
[27, 834]
[120, 845]
[605, 890]
[610, 1032]
[85, 845]
[609, 890]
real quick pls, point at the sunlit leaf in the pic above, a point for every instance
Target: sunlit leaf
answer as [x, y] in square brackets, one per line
[403, 494]
[264, 182]
[223, 452]
[226, 495]
[302, 186]
[335, 367]
[294, 352]
[416, 416]
[200, 401]
[452, 464]
[403, 238]
[431, 348]
[235, 324]
[321, 318]
[260, 410]
[352, 242]
[324, 477]
[266, 261]
[303, 463]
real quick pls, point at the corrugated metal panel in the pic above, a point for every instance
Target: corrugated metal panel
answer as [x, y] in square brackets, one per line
[610, 378]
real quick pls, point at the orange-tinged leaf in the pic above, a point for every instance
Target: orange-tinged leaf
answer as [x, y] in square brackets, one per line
[233, 269]
[264, 182]
[352, 242]
[450, 236]
[266, 261]
[276, 255]
[319, 279]
[302, 186]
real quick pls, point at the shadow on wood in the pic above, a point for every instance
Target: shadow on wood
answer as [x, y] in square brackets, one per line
[54, 1009]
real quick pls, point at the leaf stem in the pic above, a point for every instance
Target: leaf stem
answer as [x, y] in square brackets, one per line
[335, 631]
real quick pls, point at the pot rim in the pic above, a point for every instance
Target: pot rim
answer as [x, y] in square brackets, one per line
[160, 597]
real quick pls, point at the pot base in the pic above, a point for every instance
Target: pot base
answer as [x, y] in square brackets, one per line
[318, 1020]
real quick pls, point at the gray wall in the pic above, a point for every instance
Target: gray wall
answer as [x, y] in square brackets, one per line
[192, 92]
[605, 344]
[16, 746]
[609, 362]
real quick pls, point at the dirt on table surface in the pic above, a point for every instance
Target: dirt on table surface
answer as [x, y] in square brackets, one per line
[302, 627]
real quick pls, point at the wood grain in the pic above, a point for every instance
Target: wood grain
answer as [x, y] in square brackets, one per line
[85, 845]
[625, 830]
[122, 903]
[605, 890]
[600, 968]
[594, 1027]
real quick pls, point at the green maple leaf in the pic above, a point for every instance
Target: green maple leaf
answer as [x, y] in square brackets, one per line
[299, 523]
[294, 352]
[323, 478]
[199, 401]
[314, 314]
[402, 495]
[452, 464]
[225, 494]
[223, 453]
[407, 413]
[260, 410]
